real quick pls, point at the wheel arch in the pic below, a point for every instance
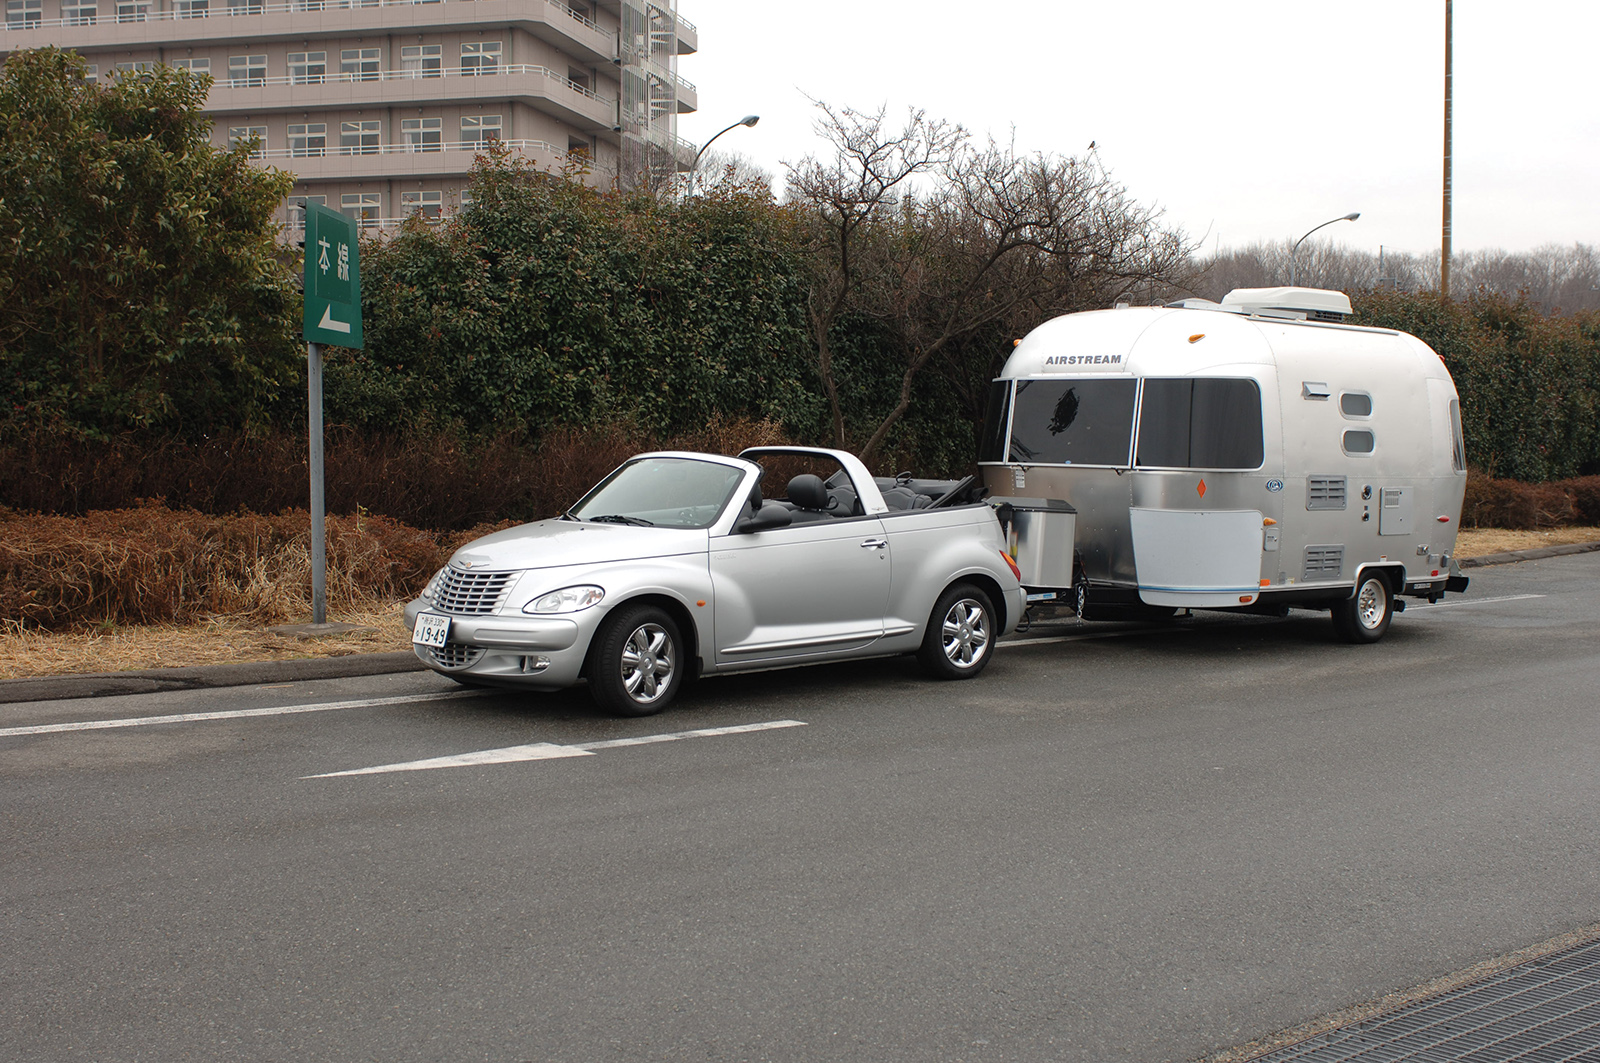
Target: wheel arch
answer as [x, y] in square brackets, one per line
[674, 608]
[988, 585]
[1393, 573]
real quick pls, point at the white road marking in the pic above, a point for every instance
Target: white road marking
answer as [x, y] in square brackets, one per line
[1472, 601]
[551, 751]
[236, 714]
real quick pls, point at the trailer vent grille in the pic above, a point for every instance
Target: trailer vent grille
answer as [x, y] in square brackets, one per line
[1322, 563]
[1325, 492]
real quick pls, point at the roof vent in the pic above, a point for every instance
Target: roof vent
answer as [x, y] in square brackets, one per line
[1294, 304]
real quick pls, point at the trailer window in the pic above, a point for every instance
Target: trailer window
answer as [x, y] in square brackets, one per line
[992, 441]
[1072, 422]
[1458, 446]
[1201, 424]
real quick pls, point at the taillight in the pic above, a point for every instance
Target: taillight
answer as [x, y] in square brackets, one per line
[1012, 565]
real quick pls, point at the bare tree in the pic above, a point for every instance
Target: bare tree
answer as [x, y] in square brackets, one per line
[992, 238]
[848, 196]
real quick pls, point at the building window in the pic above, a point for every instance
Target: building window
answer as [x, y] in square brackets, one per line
[479, 128]
[360, 138]
[91, 73]
[22, 13]
[244, 134]
[192, 8]
[244, 7]
[465, 198]
[193, 66]
[428, 204]
[482, 57]
[133, 10]
[308, 141]
[422, 134]
[246, 70]
[359, 64]
[308, 68]
[421, 60]
[145, 69]
[364, 207]
[79, 13]
[297, 208]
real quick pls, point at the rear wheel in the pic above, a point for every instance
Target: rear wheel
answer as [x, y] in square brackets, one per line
[961, 633]
[1365, 616]
[636, 663]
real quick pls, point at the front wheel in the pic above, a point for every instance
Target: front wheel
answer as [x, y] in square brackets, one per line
[636, 662]
[1365, 616]
[961, 633]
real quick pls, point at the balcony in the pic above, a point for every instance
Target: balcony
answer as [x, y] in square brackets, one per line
[549, 20]
[688, 37]
[381, 161]
[539, 87]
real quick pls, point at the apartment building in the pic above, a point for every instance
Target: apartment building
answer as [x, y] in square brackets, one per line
[379, 106]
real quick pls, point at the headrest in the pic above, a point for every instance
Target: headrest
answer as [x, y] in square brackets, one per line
[807, 492]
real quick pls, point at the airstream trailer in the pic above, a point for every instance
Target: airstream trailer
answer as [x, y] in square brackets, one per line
[1253, 455]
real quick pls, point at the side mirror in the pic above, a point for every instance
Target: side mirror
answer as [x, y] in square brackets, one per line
[768, 516]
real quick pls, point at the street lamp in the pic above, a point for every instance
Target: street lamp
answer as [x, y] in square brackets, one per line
[1293, 252]
[747, 120]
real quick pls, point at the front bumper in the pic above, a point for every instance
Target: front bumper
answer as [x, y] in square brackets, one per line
[540, 653]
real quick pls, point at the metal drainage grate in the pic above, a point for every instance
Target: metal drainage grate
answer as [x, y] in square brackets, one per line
[1543, 1011]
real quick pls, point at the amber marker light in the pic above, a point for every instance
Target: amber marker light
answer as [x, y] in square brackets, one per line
[1266, 583]
[1012, 565]
[1197, 337]
[1268, 522]
[1016, 343]
[701, 603]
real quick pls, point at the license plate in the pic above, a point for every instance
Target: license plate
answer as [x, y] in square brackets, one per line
[1042, 596]
[431, 630]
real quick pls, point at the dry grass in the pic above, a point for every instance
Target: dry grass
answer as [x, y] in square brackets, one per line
[25, 653]
[1476, 542]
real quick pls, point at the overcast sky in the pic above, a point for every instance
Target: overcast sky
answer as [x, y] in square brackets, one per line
[1244, 119]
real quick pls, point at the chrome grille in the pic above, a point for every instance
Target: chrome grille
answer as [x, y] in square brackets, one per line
[1323, 562]
[1325, 492]
[455, 655]
[471, 593]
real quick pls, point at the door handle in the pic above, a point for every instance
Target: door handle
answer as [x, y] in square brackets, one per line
[874, 544]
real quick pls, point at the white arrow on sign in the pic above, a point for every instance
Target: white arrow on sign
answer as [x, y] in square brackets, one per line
[329, 323]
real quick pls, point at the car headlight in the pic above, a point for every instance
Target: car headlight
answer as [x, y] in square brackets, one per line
[566, 600]
[431, 591]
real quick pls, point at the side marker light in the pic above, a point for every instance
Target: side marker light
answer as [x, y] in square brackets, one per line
[1247, 598]
[1197, 337]
[1444, 520]
[1268, 522]
[1266, 583]
[701, 603]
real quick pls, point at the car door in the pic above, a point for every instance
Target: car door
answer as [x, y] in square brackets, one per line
[803, 590]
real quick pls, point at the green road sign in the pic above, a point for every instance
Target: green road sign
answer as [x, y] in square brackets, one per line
[333, 279]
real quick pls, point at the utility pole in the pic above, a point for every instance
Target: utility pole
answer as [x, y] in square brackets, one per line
[1444, 241]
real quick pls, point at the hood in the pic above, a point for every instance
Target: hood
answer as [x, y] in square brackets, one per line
[553, 543]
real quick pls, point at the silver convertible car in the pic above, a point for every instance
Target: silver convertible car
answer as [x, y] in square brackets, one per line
[676, 566]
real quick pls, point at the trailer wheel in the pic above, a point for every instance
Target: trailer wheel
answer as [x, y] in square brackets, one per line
[1364, 617]
[961, 633]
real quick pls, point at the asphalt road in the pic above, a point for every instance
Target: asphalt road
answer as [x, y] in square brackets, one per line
[1140, 846]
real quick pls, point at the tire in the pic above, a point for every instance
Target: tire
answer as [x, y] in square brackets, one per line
[636, 662]
[1364, 616]
[961, 633]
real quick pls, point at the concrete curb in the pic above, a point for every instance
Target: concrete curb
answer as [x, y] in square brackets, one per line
[155, 680]
[1528, 555]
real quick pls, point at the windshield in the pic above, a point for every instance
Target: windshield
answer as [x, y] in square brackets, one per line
[664, 492]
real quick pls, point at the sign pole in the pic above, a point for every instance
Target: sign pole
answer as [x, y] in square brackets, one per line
[319, 541]
[332, 316]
